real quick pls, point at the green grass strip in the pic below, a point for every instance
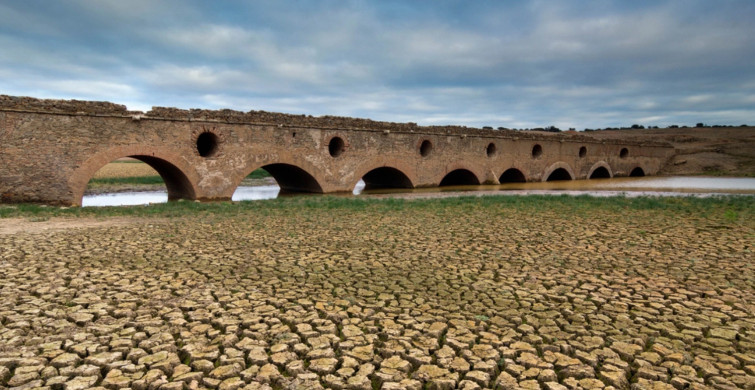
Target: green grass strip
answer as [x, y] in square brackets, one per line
[731, 209]
[258, 174]
[103, 181]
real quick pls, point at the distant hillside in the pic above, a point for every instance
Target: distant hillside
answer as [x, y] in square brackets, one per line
[718, 151]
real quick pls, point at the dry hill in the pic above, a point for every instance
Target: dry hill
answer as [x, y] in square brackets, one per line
[719, 151]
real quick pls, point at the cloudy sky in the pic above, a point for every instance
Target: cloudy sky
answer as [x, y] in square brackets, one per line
[517, 64]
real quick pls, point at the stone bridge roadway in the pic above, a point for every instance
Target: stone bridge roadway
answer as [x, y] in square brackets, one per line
[50, 149]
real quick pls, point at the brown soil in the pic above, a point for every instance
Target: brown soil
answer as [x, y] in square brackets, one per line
[719, 151]
[132, 168]
[33, 226]
[469, 295]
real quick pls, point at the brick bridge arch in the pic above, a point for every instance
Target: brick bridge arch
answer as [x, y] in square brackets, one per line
[461, 173]
[383, 172]
[180, 178]
[292, 173]
[564, 167]
[514, 173]
[600, 169]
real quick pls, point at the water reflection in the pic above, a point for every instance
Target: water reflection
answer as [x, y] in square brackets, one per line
[683, 183]
[125, 198]
[256, 193]
[629, 186]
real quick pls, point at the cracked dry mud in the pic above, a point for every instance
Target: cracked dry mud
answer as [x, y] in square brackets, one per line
[458, 296]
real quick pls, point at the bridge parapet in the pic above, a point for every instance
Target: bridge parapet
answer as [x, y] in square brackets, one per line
[254, 117]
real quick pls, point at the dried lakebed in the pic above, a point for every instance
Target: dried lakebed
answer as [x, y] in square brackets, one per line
[551, 293]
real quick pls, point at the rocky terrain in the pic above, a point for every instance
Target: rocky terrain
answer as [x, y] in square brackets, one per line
[441, 294]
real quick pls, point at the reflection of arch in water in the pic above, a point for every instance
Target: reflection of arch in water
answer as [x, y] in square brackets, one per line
[169, 166]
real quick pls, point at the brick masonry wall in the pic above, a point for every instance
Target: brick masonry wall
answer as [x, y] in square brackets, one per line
[50, 149]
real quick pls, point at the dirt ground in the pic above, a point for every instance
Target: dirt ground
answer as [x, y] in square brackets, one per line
[719, 151]
[467, 294]
[126, 168]
[45, 225]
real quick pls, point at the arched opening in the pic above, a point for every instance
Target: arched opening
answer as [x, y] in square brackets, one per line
[559, 174]
[582, 151]
[135, 180]
[512, 175]
[490, 150]
[637, 172]
[460, 177]
[600, 173]
[207, 144]
[178, 185]
[270, 181]
[537, 151]
[291, 178]
[624, 153]
[386, 177]
[336, 146]
[425, 148]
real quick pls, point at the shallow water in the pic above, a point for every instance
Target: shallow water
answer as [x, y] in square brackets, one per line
[125, 198]
[681, 184]
[627, 186]
[256, 193]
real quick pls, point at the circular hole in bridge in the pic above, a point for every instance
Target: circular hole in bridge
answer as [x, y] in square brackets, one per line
[425, 148]
[207, 144]
[490, 150]
[624, 152]
[582, 152]
[537, 151]
[336, 146]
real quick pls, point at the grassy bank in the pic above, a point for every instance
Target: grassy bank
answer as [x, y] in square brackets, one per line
[728, 208]
[137, 180]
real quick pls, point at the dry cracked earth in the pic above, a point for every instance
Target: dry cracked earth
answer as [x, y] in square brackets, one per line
[431, 295]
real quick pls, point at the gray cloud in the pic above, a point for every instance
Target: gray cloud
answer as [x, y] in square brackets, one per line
[571, 64]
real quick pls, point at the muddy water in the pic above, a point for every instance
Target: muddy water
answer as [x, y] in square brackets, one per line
[629, 186]
[728, 185]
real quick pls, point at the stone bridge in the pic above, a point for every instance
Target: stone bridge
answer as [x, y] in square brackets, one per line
[50, 149]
